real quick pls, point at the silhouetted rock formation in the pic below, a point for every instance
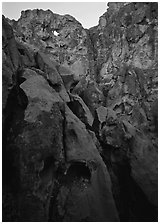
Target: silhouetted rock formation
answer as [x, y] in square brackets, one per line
[80, 115]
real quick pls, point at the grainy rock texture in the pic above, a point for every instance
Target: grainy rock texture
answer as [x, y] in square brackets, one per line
[61, 37]
[80, 116]
[125, 45]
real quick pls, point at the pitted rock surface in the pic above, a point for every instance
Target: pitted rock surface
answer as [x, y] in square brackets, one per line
[62, 38]
[80, 116]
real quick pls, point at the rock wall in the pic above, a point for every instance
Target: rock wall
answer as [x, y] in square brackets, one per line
[80, 115]
[52, 169]
[125, 43]
[125, 47]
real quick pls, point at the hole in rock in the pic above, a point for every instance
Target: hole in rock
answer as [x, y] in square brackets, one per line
[78, 171]
[78, 176]
[55, 33]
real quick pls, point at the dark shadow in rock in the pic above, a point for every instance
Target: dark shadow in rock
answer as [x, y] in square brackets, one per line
[48, 165]
[73, 85]
[79, 170]
[76, 172]
[16, 104]
[55, 86]
[131, 202]
[21, 51]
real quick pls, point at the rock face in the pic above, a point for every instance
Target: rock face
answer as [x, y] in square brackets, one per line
[52, 169]
[61, 37]
[85, 194]
[80, 116]
[125, 43]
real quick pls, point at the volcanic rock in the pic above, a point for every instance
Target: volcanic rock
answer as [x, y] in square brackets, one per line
[80, 116]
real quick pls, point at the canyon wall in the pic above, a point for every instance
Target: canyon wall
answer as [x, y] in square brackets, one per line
[80, 116]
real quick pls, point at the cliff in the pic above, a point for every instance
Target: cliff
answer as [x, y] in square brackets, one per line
[80, 116]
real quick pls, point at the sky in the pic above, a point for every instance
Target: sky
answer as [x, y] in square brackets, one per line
[87, 13]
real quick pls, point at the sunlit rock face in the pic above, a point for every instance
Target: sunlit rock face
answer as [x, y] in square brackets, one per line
[80, 116]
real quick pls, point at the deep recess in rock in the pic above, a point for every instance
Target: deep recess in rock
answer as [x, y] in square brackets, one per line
[78, 170]
[80, 116]
[130, 200]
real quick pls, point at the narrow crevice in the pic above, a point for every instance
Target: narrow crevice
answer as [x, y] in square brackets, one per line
[64, 133]
[53, 211]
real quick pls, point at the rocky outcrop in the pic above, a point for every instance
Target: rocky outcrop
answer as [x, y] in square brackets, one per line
[87, 195]
[62, 38]
[125, 47]
[80, 115]
[50, 161]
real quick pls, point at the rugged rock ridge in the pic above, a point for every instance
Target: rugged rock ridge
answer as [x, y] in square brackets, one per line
[72, 98]
[62, 38]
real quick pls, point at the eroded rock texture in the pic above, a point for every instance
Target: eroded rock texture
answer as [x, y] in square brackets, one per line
[125, 45]
[80, 116]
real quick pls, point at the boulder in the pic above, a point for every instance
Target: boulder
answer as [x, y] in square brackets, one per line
[105, 118]
[80, 109]
[35, 147]
[90, 93]
[50, 69]
[102, 113]
[41, 96]
[67, 76]
[27, 55]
